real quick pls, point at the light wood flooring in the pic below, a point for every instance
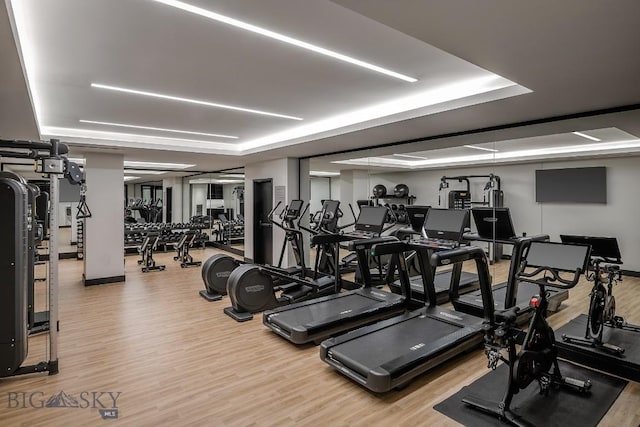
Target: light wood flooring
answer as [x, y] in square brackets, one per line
[177, 360]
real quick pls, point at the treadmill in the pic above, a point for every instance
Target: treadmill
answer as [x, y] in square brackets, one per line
[444, 280]
[320, 318]
[494, 225]
[392, 352]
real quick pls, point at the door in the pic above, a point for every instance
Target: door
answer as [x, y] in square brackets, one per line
[169, 203]
[262, 228]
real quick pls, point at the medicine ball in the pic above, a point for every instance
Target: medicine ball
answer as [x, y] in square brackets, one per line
[401, 190]
[379, 191]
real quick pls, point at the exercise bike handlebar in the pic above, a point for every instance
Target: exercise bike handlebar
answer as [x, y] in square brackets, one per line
[272, 211]
[555, 280]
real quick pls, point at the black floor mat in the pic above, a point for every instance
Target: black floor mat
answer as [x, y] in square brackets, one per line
[626, 365]
[560, 408]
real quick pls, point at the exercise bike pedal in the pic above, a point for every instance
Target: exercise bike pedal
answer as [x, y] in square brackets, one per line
[581, 386]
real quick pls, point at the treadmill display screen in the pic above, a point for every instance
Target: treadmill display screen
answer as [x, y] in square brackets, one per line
[558, 256]
[371, 219]
[493, 223]
[446, 224]
[604, 247]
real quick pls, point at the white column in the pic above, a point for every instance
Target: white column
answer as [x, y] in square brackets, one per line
[104, 231]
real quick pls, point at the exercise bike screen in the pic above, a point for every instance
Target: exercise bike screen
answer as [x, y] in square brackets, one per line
[558, 256]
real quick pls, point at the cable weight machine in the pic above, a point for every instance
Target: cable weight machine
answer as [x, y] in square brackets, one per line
[492, 196]
[50, 160]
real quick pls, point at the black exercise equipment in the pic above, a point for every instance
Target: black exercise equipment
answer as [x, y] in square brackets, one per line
[253, 288]
[149, 245]
[15, 251]
[182, 250]
[494, 225]
[605, 272]
[217, 269]
[545, 264]
[444, 227]
[390, 353]
[14, 276]
[313, 321]
[401, 191]
[215, 273]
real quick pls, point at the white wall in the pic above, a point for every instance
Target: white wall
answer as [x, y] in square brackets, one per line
[618, 218]
[283, 172]
[104, 231]
[176, 198]
[320, 190]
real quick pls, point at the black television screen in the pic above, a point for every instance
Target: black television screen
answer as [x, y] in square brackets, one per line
[577, 185]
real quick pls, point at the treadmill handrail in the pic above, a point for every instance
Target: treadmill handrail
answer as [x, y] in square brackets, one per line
[477, 254]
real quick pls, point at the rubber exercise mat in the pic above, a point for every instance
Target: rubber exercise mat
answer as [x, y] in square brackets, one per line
[560, 408]
[626, 366]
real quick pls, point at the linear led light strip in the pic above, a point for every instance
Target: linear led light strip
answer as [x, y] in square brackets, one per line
[584, 135]
[191, 101]
[572, 149]
[283, 38]
[481, 148]
[159, 129]
[137, 164]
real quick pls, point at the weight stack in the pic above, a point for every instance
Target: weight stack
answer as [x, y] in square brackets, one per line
[14, 275]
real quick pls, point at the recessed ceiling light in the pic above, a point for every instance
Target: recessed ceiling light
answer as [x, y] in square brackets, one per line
[129, 177]
[160, 129]
[144, 171]
[232, 175]
[584, 135]
[191, 101]
[283, 38]
[481, 148]
[323, 173]
[411, 156]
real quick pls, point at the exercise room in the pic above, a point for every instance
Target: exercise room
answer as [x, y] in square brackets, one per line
[337, 212]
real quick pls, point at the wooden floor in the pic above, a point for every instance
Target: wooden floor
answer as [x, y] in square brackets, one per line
[178, 360]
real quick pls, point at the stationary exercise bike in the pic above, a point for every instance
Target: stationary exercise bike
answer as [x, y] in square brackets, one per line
[545, 264]
[605, 267]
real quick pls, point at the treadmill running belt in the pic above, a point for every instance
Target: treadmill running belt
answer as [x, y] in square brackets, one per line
[442, 281]
[385, 345]
[311, 313]
[560, 408]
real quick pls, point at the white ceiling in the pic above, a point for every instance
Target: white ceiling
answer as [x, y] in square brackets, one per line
[574, 56]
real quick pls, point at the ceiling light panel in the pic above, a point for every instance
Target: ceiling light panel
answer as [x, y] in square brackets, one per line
[411, 156]
[283, 38]
[156, 165]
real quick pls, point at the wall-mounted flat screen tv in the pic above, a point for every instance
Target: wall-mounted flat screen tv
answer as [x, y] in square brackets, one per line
[576, 185]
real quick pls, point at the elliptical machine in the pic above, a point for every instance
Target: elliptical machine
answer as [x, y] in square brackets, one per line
[544, 265]
[605, 266]
[253, 288]
[217, 269]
